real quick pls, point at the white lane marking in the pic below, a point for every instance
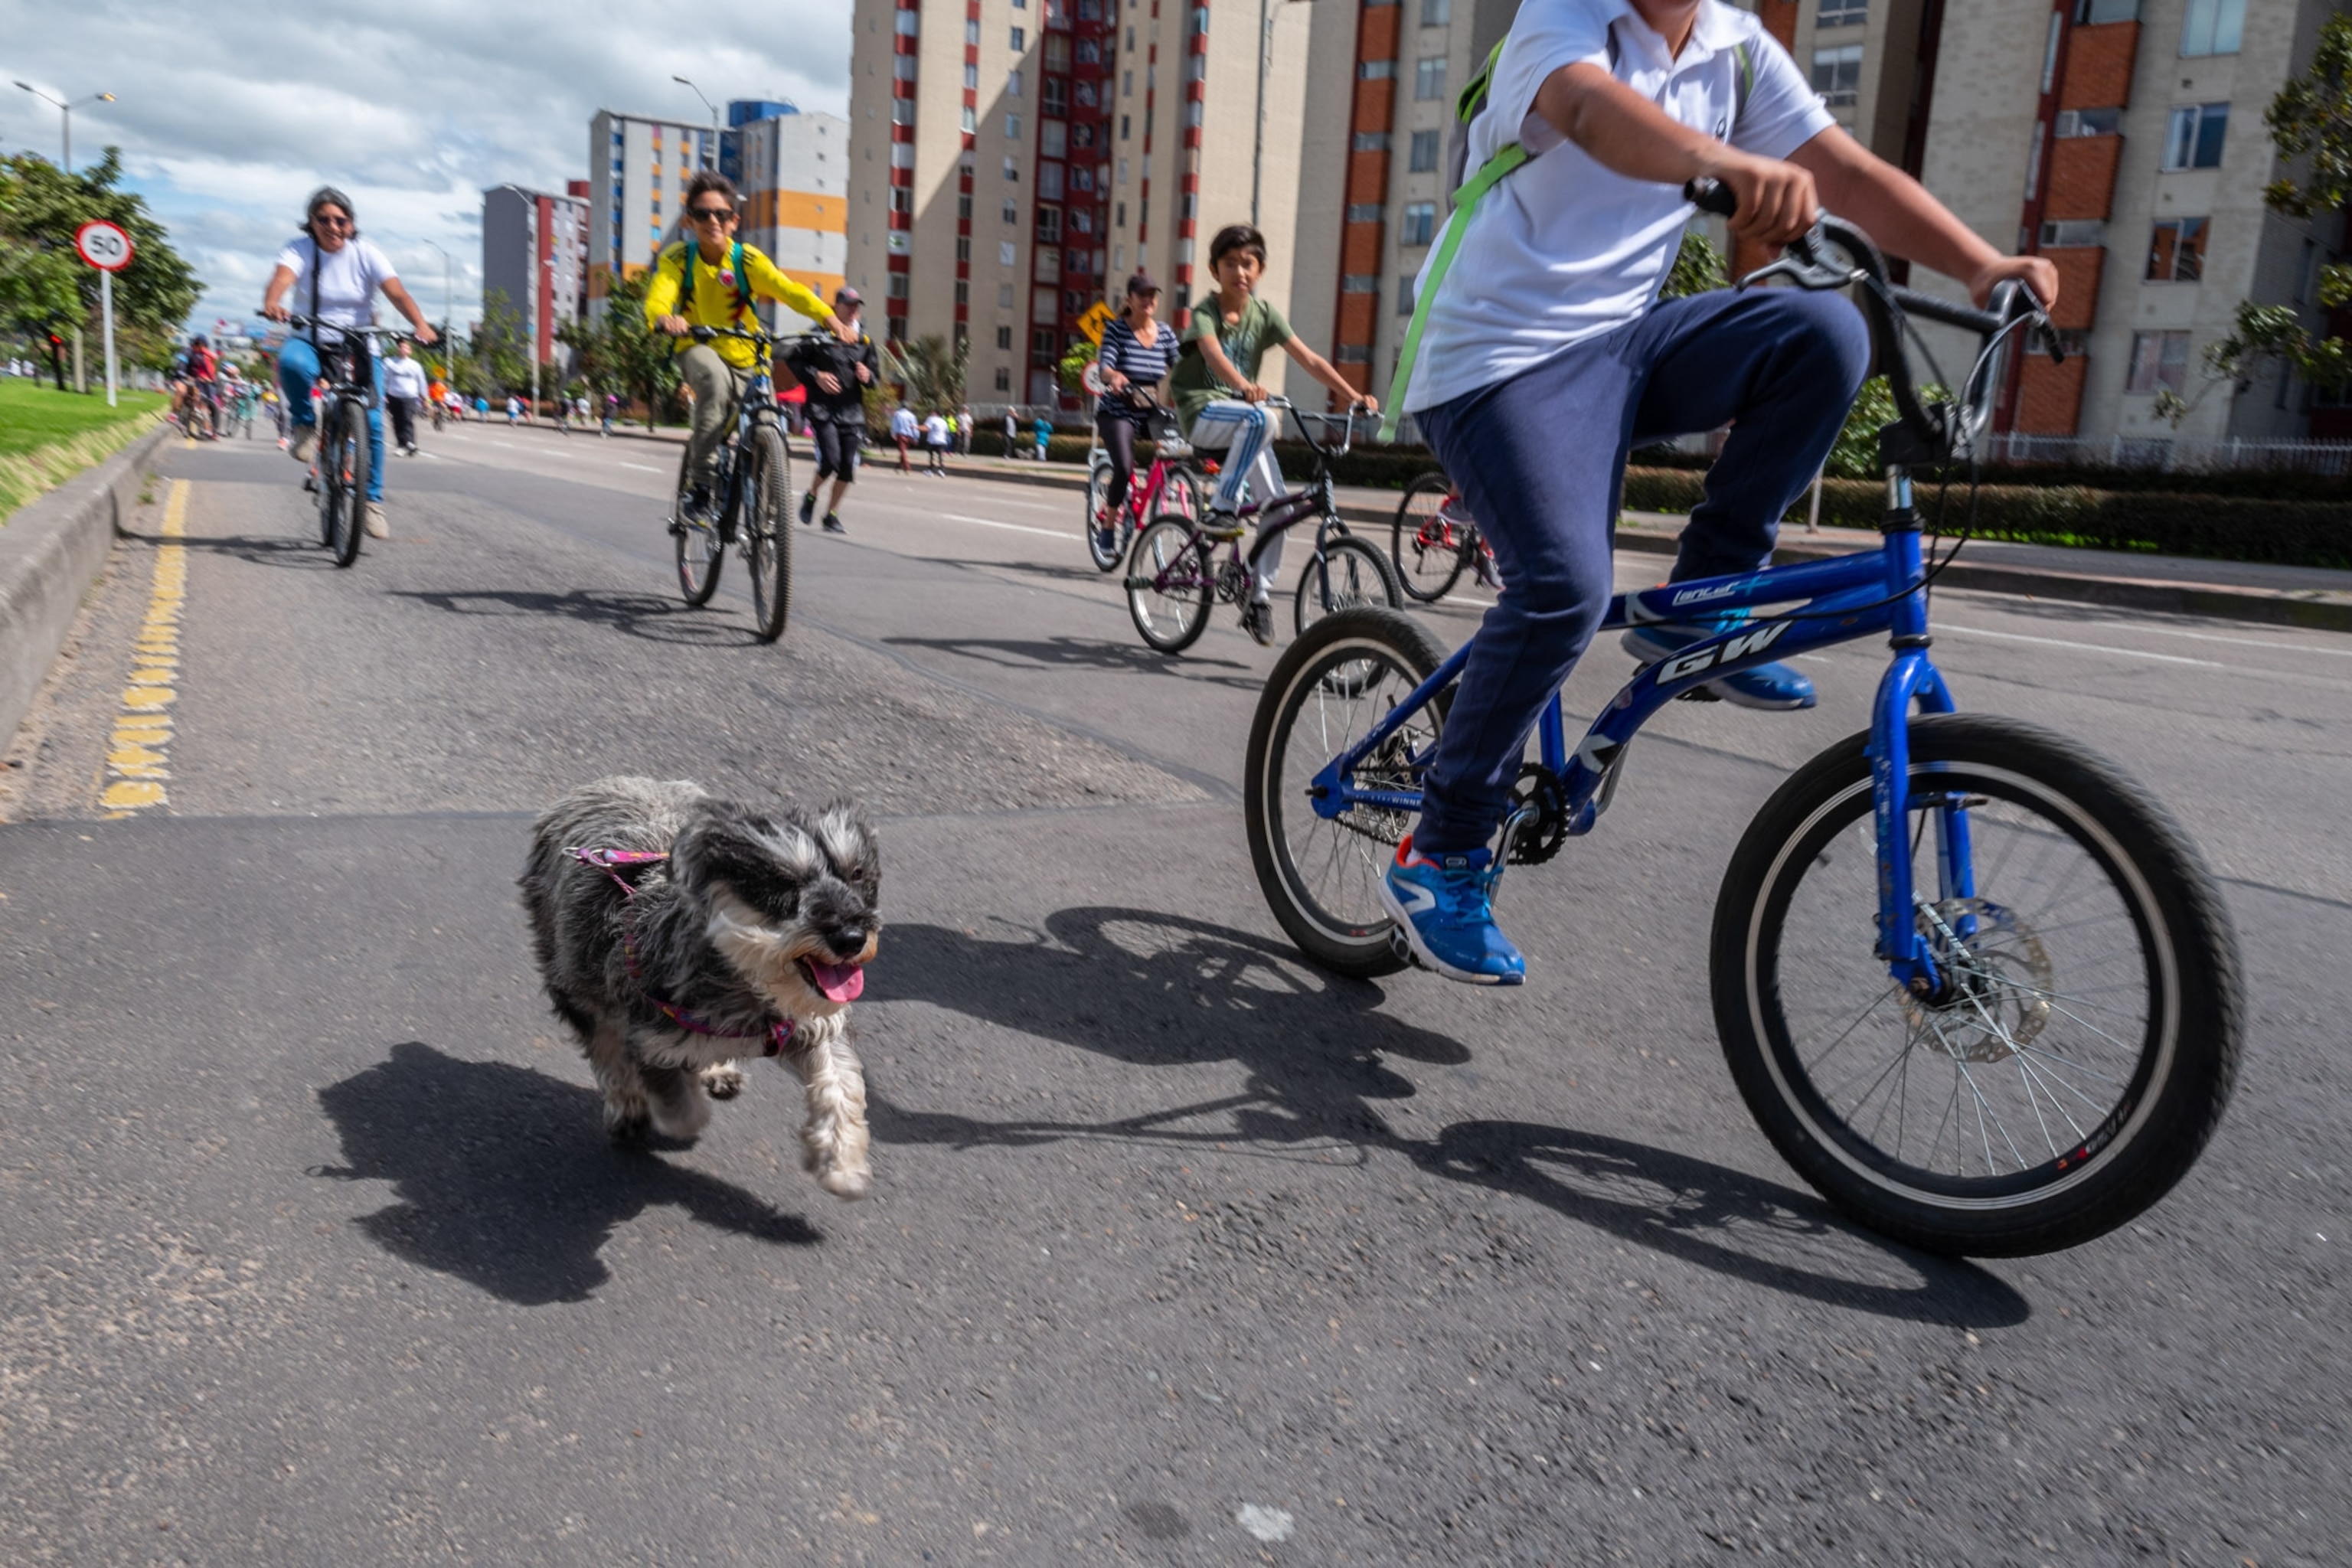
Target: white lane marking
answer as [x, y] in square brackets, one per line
[2246, 642]
[1014, 527]
[641, 467]
[2084, 647]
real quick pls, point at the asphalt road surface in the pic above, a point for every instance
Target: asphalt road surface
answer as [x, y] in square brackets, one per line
[1179, 1252]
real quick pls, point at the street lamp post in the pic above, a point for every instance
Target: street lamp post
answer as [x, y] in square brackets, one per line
[710, 154]
[65, 111]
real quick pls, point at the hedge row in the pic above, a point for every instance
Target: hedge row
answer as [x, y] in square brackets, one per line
[2222, 528]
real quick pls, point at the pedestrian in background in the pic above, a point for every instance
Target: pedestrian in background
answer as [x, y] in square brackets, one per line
[963, 431]
[904, 431]
[935, 444]
[1044, 431]
[404, 388]
[1011, 435]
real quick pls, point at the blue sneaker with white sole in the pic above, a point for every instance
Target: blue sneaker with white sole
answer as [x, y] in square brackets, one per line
[1444, 909]
[1772, 687]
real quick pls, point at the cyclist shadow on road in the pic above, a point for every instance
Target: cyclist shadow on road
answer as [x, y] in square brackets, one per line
[648, 616]
[503, 1177]
[279, 550]
[1086, 653]
[1154, 990]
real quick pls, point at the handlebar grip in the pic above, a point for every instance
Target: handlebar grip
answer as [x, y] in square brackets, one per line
[1711, 197]
[1967, 318]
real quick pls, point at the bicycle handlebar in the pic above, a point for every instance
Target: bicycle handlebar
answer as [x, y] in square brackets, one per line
[1936, 430]
[1347, 422]
[304, 323]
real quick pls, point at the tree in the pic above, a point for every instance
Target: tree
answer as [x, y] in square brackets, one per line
[1074, 362]
[641, 359]
[932, 372]
[2309, 121]
[497, 346]
[1698, 268]
[44, 283]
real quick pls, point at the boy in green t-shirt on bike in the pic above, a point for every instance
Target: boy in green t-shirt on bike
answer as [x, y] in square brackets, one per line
[1217, 393]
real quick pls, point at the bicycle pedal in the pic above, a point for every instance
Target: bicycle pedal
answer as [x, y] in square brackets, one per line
[1401, 949]
[1697, 694]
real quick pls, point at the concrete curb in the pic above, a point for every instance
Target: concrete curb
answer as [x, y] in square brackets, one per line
[51, 550]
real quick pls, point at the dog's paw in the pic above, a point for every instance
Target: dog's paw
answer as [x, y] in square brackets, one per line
[628, 1131]
[724, 1081]
[845, 1183]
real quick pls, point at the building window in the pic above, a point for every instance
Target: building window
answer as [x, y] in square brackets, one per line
[1365, 212]
[1404, 293]
[1049, 225]
[1420, 226]
[2087, 122]
[1005, 251]
[1004, 295]
[966, 119]
[1053, 139]
[1200, 19]
[2159, 362]
[897, 286]
[1043, 340]
[1020, 40]
[1004, 338]
[1003, 377]
[1012, 211]
[2176, 250]
[1053, 96]
[971, 30]
[971, 78]
[1120, 221]
[964, 208]
[2069, 232]
[1376, 70]
[1012, 84]
[1429, 76]
[1841, 13]
[1012, 128]
[1837, 74]
[1360, 283]
[963, 248]
[1436, 12]
[1012, 167]
[1370, 142]
[902, 199]
[902, 112]
[2099, 13]
[1423, 157]
[2192, 136]
[963, 293]
[905, 24]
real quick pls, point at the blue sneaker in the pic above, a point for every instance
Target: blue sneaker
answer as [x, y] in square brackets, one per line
[1444, 910]
[1768, 686]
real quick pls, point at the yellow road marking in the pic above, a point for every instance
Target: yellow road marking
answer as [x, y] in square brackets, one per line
[138, 754]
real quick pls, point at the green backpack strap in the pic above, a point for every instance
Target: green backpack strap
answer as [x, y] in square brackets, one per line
[735, 264]
[1468, 106]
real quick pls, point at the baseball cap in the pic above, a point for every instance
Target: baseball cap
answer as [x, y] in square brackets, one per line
[1142, 282]
[845, 294]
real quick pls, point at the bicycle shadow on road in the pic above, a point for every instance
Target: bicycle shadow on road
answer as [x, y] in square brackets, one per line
[1084, 653]
[504, 1177]
[646, 616]
[1154, 990]
[279, 549]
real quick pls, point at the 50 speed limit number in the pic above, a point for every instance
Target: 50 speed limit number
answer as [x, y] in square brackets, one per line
[103, 244]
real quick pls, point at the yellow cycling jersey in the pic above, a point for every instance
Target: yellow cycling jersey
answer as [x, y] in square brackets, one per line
[717, 299]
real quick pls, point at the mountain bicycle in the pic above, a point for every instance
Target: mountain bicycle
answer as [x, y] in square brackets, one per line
[754, 489]
[339, 475]
[1174, 579]
[1975, 983]
[1434, 538]
[1171, 484]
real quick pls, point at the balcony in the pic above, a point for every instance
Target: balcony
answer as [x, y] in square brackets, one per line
[2081, 177]
[2099, 66]
[2049, 396]
[2079, 267]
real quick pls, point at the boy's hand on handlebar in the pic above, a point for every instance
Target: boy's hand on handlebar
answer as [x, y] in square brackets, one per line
[2036, 272]
[1777, 200]
[1253, 392]
[426, 335]
[676, 326]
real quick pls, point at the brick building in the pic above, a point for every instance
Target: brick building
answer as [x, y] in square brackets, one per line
[535, 257]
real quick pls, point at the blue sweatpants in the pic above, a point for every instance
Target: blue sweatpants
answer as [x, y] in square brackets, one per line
[1540, 458]
[297, 370]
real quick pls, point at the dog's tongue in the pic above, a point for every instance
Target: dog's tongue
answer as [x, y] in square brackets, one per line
[839, 982]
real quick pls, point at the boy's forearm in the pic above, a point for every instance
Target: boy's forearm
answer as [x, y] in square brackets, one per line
[1622, 131]
[1892, 207]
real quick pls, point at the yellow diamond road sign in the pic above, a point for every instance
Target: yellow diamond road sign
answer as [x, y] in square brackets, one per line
[1092, 323]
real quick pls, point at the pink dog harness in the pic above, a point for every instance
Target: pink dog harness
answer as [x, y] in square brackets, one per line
[779, 1035]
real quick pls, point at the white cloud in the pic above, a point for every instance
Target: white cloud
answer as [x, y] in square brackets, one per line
[229, 118]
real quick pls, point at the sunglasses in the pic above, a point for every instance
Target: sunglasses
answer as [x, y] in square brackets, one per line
[710, 214]
[332, 222]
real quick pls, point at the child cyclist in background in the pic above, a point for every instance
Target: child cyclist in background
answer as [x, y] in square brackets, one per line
[1544, 354]
[1228, 336]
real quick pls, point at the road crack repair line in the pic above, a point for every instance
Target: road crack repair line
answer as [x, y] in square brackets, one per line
[138, 754]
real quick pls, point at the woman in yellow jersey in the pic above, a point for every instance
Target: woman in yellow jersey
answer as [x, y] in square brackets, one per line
[727, 275]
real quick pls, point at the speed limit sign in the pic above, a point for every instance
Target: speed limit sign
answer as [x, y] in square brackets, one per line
[103, 246]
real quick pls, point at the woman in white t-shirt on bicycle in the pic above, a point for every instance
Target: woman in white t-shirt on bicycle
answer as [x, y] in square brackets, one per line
[339, 274]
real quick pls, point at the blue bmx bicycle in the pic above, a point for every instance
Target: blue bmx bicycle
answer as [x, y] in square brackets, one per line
[1975, 984]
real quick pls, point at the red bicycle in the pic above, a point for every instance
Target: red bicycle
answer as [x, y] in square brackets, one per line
[1434, 538]
[1171, 485]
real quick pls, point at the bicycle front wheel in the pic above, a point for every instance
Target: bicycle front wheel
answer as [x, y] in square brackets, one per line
[1426, 544]
[2082, 1044]
[696, 544]
[767, 520]
[1170, 584]
[1347, 573]
[345, 458]
[1106, 558]
[1321, 874]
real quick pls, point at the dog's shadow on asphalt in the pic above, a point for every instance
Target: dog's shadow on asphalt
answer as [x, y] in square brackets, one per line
[1156, 990]
[646, 616]
[504, 1177]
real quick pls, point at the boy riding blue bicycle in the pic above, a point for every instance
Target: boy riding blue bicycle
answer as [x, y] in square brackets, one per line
[1538, 314]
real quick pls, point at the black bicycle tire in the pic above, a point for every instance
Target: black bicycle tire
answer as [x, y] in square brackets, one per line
[323, 487]
[1363, 952]
[351, 431]
[2148, 1141]
[1135, 580]
[695, 593]
[1315, 577]
[1097, 494]
[1407, 526]
[769, 556]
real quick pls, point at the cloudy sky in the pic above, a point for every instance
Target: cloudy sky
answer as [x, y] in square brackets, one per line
[228, 114]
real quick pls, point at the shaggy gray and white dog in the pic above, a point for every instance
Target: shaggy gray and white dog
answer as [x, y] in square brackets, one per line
[743, 919]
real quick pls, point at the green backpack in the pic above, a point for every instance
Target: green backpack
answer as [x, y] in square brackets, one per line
[1467, 107]
[734, 265]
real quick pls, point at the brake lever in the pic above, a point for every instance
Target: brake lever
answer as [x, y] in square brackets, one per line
[1800, 262]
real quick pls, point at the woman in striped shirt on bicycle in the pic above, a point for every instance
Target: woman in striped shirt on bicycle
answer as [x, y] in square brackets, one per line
[1137, 352]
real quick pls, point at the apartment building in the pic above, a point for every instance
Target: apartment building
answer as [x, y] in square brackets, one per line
[637, 171]
[535, 257]
[2123, 139]
[793, 171]
[1014, 159]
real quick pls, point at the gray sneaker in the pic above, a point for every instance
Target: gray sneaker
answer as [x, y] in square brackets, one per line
[306, 441]
[377, 528]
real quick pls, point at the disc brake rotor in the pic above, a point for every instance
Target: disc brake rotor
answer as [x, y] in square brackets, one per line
[1998, 981]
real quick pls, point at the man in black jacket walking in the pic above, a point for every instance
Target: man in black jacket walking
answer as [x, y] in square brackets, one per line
[837, 375]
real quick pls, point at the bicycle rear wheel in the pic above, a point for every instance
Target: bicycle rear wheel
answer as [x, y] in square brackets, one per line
[767, 526]
[1347, 574]
[1426, 544]
[1171, 583]
[2083, 1043]
[1098, 499]
[696, 544]
[1322, 875]
[343, 462]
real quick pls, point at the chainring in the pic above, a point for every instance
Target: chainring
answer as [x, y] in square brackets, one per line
[1543, 834]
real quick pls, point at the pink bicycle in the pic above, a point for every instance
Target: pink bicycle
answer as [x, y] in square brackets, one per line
[1171, 484]
[1434, 539]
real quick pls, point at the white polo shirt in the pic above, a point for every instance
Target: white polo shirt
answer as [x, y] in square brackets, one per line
[1562, 250]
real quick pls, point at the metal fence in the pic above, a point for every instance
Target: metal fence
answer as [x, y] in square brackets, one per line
[2328, 459]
